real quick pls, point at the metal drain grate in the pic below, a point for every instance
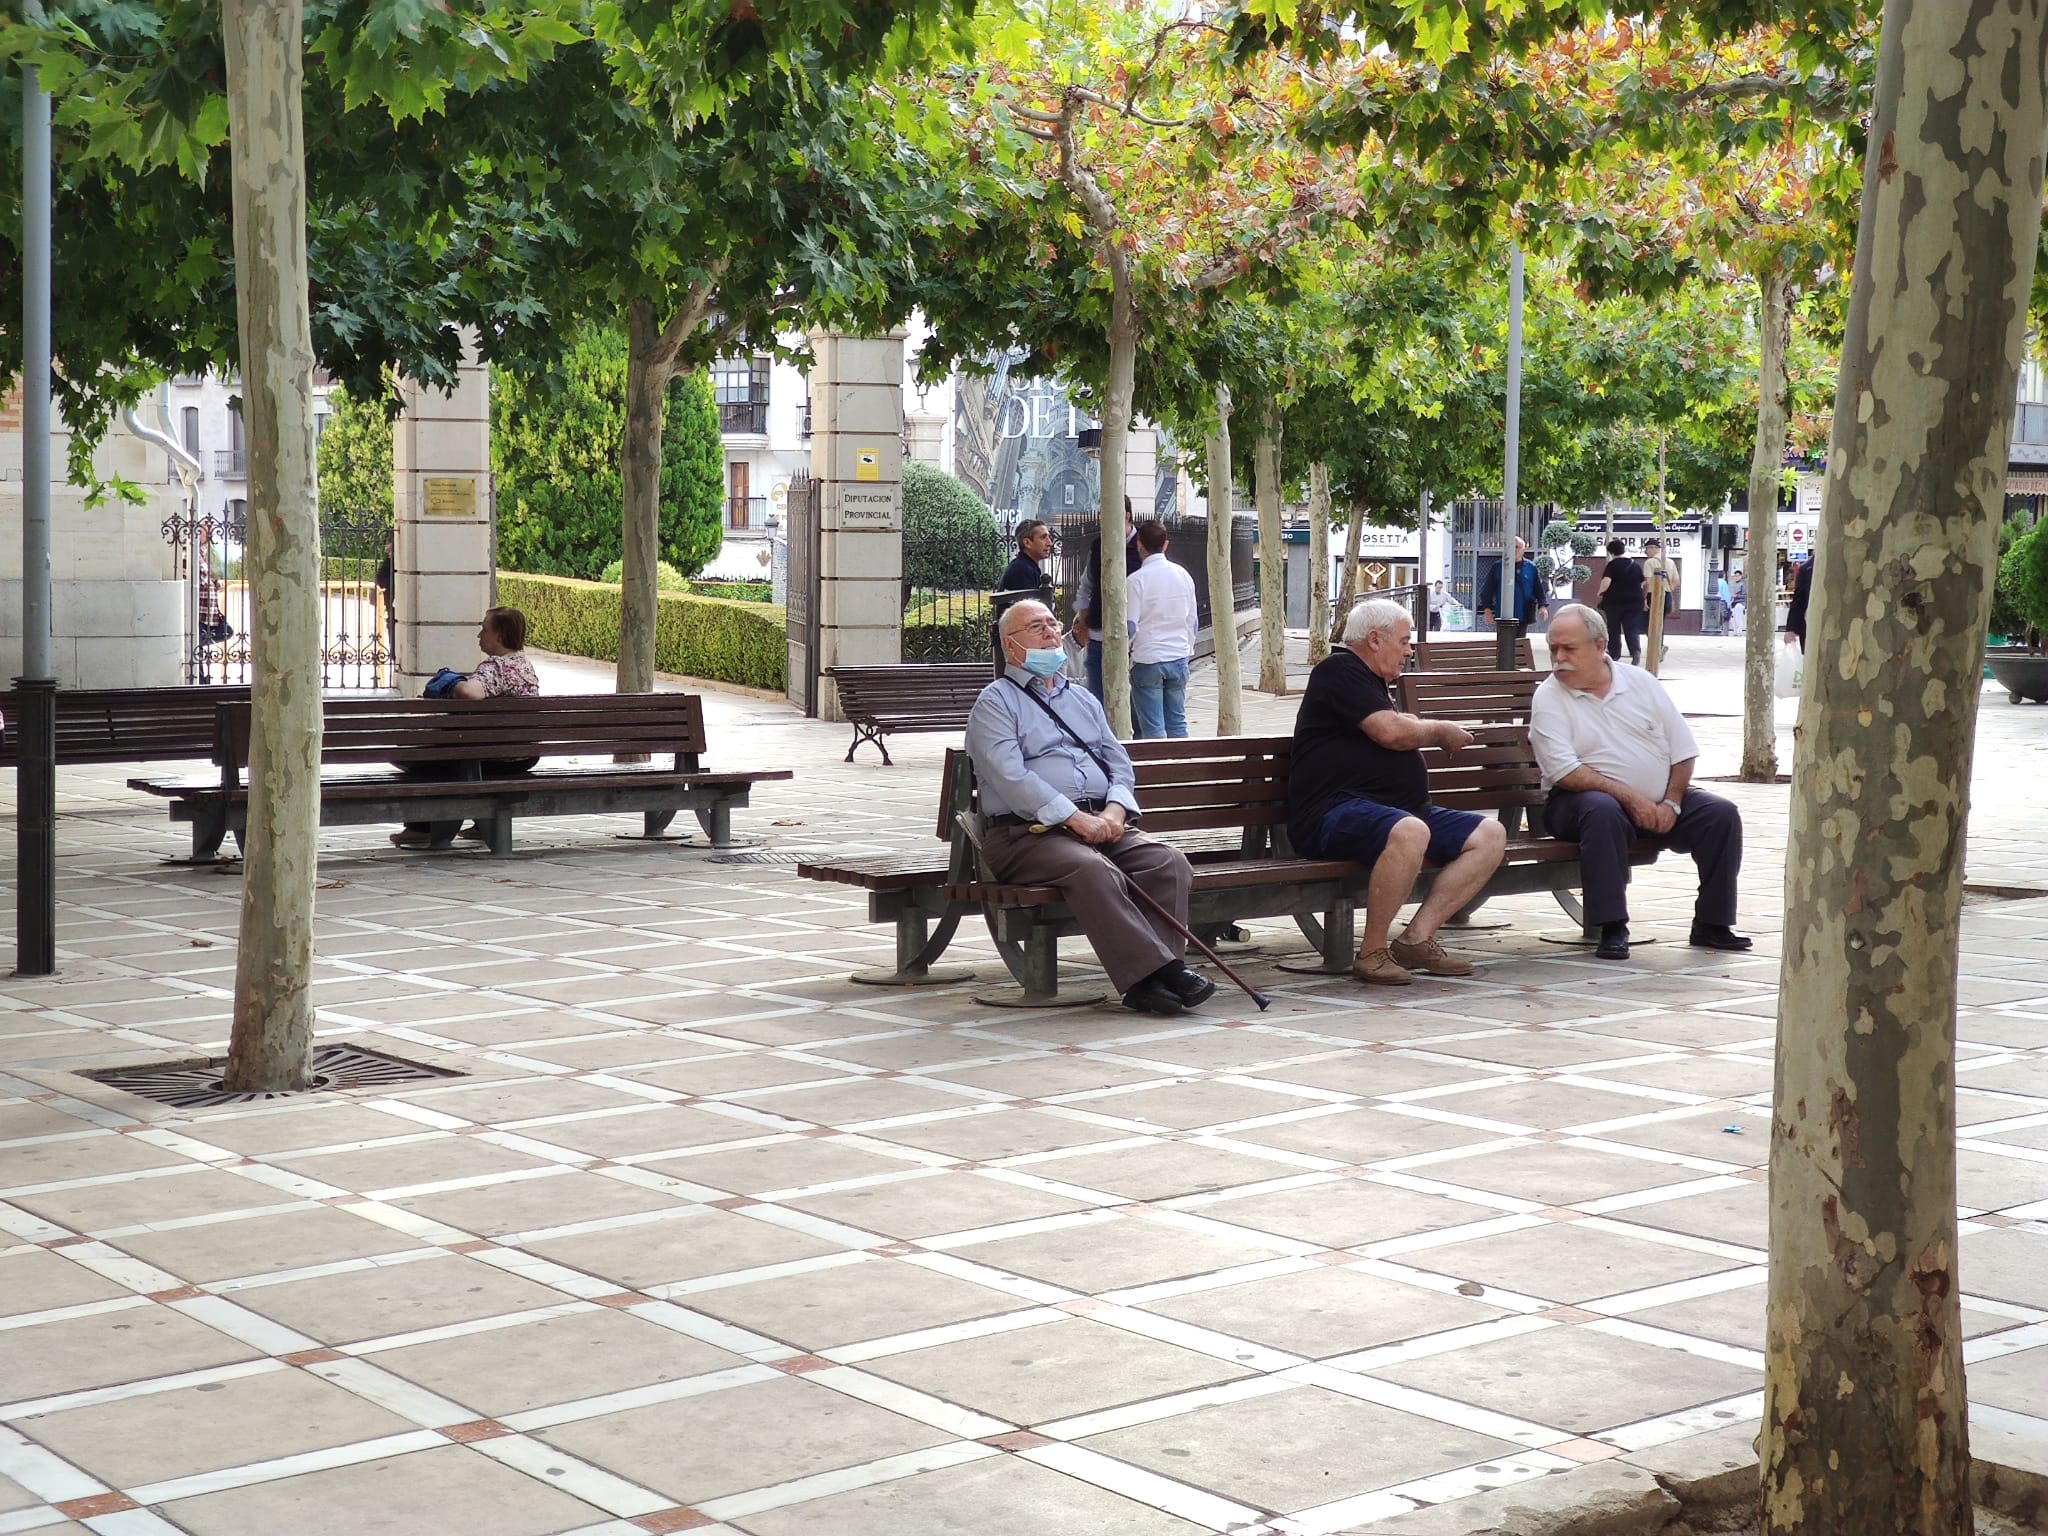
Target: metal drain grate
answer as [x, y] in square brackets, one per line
[760, 856]
[196, 1084]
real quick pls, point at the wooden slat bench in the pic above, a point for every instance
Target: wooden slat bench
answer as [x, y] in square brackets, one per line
[128, 725]
[1477, 655]
[917, 696]
[470, 740]
[1489, 698]
[1230, 789]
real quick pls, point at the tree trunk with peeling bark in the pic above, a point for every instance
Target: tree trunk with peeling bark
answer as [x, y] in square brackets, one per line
[1222, 588]
[648, 371]
[1272, 554]
[1766, 468]
[1347, 598]
[1864, 1411]
[1318, 562]
[1117, 400]
[271, 1043]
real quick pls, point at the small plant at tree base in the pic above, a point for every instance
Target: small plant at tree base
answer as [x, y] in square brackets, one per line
[666, 577]
[2022, 587]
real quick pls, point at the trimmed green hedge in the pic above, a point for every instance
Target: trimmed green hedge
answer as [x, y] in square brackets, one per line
[709, 637]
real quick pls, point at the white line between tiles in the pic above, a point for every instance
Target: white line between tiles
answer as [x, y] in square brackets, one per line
[473, 1181]
[1684, 1343]
[1430, 1280]
[1641, 1154]
[1494, 1329]
[637, 1397]
[1665, 1428]
[244, 1326]
[1143, 1487]
[1429, 1405]
[910, 1403]
[1608, 1205]
[39, 1517]
[816, 1263]
[30, 1229]
[1035, 1226]
[822, 1485]
[2012, 1341]
[131, 1522]
[323, 1271]
[558, 1469]
[100, 1180]
[710, 1330]
[1020, 1286]
[174, 1488]
[1217, 1279]
[1443, 1237]
[946, 1333]
[66, 1314]
[43, 1473]
[1206, 1341]
[1677, 1290]
[203, 1219]
[1734, 1253]
[34, 1407]
[1102, 1421]
[445, 1331]
[1444, 1487]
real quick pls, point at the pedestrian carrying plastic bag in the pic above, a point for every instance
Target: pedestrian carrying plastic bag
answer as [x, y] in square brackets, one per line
[1791, 674]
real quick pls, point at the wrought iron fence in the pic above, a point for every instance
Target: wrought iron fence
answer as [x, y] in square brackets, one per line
[357, 625]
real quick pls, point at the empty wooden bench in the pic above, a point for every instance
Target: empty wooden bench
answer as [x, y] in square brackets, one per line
[1490, 698]
[471, 743]
[1479, 654]
[917, 696]
[128, 725]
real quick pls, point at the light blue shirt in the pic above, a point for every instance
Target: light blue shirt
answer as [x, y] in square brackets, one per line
[1027, 766]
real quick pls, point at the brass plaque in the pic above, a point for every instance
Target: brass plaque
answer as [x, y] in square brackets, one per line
[449, 497]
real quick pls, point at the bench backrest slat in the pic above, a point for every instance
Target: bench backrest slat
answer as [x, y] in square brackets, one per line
[1469, 655]
[117, 725]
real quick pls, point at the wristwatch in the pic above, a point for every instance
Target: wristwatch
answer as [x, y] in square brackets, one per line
[1676, 808]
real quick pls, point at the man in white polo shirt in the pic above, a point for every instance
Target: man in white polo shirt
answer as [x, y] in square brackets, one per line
[1617, 758]
[1162, 619]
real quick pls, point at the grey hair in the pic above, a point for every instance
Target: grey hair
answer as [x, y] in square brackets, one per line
[1374, 616]
[1594, 620]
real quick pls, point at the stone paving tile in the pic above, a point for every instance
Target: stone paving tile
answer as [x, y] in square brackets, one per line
[707, 1237]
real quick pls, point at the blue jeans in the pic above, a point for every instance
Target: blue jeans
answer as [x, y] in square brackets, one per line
[1094, 666]
[1159, 699]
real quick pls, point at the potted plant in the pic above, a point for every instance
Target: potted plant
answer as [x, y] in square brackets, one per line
[2019, 612]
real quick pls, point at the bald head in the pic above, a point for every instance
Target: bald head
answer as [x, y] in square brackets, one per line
[1027, 626]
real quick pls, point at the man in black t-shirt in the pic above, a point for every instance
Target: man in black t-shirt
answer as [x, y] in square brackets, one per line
[1357, 789]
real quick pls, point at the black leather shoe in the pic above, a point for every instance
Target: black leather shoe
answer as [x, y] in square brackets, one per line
[1192, 989]
[1613, 943]
[1717, 936]
[1152, 996]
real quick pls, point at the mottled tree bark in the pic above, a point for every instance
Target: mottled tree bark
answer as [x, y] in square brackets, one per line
[1272, 553]
[1347, 597]
[271, 1044]
[1117, 400]
[1222, 589]
[648, 372]
[1864, 1415]
[1766, 469]
[1318, 562]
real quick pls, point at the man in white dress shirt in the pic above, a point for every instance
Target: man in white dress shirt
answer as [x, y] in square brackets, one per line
[1617, 758]
[1162, 619]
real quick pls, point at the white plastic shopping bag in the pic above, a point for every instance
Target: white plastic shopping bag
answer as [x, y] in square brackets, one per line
[1791, 674]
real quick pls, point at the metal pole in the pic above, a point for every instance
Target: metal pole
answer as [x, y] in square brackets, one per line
[35, 691]
[1512, 620]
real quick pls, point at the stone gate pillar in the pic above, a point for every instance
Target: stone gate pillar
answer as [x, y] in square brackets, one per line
[857, 455]
[444, 570]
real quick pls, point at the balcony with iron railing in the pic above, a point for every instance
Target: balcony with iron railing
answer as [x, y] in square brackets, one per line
[743, 417]
[746, 512]
[231, 463]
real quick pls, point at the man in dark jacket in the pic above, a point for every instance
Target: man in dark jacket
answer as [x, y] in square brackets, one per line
[1528, 590]
[1802, 594]
[1025, 575]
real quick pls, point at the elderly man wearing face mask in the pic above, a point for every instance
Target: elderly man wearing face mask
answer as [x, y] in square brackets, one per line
[1056, 795]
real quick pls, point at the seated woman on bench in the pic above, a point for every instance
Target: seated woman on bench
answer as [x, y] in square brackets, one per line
[503, 673]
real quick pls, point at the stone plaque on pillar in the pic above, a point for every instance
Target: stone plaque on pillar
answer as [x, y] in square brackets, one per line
[857, 452]
[445, 561]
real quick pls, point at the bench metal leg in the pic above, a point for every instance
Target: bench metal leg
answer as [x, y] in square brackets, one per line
[915, 953]
[1335, 941]
[717, 824]
[1035, 962]
[871, 733]
[654, 823]
[498, 832]
[209, 830]
[1465, 920]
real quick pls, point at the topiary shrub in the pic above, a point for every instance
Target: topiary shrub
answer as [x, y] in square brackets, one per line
[666, 577]
[555, 441]
[353, 461]
[2008, 624]
[708, 637]
[2023, 582]
[950, 539]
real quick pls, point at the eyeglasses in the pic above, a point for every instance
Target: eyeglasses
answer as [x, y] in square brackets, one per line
[1041, 626]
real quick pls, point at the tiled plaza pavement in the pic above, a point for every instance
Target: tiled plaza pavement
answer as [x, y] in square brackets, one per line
[708, 1238]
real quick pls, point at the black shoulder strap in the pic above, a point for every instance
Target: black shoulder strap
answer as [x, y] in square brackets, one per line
[1072, 735]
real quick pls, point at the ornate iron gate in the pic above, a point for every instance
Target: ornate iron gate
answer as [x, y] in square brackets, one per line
[356, 624]
[803, 520]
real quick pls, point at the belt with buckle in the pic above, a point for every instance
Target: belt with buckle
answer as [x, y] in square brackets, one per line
[1005, 819]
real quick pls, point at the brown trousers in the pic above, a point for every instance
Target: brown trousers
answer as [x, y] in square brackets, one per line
[1130, 939]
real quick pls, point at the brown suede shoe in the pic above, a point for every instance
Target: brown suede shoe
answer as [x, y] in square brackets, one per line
[1380, 969]
[1429, 956]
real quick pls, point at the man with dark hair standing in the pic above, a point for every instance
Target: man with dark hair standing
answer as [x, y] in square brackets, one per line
[1026, 575]
[1088, 598]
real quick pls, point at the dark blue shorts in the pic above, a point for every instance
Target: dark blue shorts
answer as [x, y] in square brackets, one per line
[1357, 829]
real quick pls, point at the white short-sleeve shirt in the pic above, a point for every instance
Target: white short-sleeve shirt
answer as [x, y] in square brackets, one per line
[1633, 735]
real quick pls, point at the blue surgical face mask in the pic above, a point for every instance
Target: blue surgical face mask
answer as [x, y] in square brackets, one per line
[1046, 663]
